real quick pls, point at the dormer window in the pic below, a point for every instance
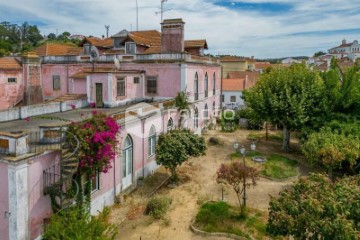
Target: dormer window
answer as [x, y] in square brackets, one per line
[130, 48]
[87, 49]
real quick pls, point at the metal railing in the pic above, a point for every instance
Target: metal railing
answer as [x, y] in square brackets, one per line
[43, 141]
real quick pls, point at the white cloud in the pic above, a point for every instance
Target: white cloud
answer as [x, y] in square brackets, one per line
[228, 30]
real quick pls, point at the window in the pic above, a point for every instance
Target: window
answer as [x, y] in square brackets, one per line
[151, 85]
[152, 141]
[11, 80]
[214, 83]
[206, 85]
[170, 124]
[196, 87]
[56, 82]
[233, 99]
[95, 182]
[213, 107]
[206, 112]
[196, 118]
[127, 158]
[120, 86]
[222, 98]
[130, 48]
[136, 80]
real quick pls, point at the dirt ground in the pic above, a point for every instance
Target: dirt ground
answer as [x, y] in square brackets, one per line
[198, 184]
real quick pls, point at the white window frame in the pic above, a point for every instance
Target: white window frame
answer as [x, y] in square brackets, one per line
[152, 142]
[97, 183]
[130, 46]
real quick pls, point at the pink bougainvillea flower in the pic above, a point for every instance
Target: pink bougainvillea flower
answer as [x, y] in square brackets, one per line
[28, 119]
[73, 106]
[92, 105]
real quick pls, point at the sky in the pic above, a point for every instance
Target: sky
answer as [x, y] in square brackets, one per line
[259, 28]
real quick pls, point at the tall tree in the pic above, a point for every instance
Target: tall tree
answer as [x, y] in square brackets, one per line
[290, 96]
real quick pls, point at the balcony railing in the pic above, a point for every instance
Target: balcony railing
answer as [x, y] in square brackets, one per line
[166, 57]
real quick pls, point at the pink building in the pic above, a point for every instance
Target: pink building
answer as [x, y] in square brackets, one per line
[132, 76]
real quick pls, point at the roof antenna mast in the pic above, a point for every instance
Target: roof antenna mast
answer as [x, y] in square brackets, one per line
[162, 10]
[107, 30]
[137, 16]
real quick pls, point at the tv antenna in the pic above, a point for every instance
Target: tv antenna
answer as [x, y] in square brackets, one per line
[107, 30]
[117, 63]
[94, 52]
[137, 16]
[162, 10]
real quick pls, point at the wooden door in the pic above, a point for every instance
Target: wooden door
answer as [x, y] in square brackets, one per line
[99, 95]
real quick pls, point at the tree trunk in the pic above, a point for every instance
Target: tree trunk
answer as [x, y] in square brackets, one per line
[174, 176]
[267, 132]
[286, 139]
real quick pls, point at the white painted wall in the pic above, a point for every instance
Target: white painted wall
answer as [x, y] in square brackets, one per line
[227, 97]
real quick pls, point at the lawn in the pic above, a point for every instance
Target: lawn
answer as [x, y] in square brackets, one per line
[221, 217]
[276, 166]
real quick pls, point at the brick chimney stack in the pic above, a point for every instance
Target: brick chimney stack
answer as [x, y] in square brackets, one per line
[172, 36]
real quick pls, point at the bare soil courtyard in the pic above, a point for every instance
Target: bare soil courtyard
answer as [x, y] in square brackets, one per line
[197, 184]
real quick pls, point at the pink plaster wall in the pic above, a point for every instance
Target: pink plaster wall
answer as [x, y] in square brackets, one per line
[79, 86]
[4, 201]
[133, 90]
[168, 82]
[39, 205]
[99, 78]
[10, 93]
[65, 71]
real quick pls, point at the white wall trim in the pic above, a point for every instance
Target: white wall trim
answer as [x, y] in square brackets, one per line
[18, 201]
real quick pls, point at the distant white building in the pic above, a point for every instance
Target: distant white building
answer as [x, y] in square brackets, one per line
[349, 50]
[289, 61]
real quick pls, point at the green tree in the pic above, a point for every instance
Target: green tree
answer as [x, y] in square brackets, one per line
[290, 96]
[175, 147]
[332, 150]
[316, 208]
[51, 36]
[318, 54]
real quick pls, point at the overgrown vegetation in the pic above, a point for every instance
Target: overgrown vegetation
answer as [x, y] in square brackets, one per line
[71, 224]
[221, 217]
[317, 208]
[228, 121]
[253, 120]
[158, 206]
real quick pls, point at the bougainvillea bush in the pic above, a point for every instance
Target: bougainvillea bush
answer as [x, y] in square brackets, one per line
[97, 136]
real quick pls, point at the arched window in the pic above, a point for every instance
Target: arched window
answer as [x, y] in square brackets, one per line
[196, 118]
[214, 83]
[196, 87]
[213, 108]
[152, 141]
[206, 86]
[206, 112]
[127, 162]
[170, 124]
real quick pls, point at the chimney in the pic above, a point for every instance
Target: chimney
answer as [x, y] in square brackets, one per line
[172, 35]
[245, 81]
[32, 79]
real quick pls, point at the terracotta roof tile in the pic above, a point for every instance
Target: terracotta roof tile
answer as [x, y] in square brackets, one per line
[99, 42]
[196, 44]
[9, 63]
[57, 49]
[233, 84]
[242, 74]
[146, 38]
[262, 65]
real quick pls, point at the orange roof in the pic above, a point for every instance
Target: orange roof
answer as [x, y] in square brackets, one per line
[146, 38]
[99, 42]
[9, 63]
[243, 74]
[262, 65]
[233, 84]
[196, 44]
[57, 49]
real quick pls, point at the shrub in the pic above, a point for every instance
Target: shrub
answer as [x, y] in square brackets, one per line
[71, 224]
[253, 120]
[157, 207]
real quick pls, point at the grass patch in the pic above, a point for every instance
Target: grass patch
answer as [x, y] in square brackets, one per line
[221, 217]
[279, 167]
[248, 154]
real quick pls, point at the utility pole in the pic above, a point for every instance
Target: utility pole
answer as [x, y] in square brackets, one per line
[107, 30]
